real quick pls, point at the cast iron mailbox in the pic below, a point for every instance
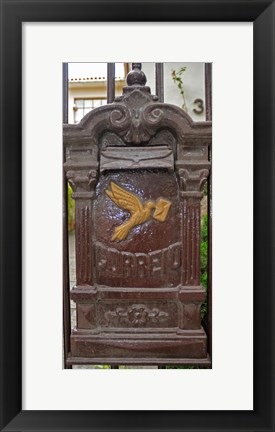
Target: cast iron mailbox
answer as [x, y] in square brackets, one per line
[137, 168]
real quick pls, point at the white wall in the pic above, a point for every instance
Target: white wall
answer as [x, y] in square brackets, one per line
[193, 83]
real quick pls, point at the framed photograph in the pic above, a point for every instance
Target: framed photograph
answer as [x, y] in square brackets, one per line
[238, 392]
[143, 301]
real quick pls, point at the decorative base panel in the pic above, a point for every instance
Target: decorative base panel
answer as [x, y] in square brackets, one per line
[133, 361]
[185, 345]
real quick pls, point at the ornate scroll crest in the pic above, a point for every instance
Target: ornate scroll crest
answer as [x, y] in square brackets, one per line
[135, 118]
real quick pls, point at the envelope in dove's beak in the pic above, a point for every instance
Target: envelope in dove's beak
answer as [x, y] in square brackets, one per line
[162, 209]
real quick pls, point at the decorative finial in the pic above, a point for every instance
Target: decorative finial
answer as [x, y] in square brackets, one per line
[136, 66]
[136, 77]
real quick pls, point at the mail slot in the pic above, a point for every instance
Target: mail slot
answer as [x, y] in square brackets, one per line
[137, 168]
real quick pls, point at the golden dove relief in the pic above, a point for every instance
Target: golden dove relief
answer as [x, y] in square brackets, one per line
[140, 213]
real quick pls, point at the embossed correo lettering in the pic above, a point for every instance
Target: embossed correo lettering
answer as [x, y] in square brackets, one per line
[156, 264]
[101, 261]
[142, 264]
[174, 254]
[128, 264]
[113, 261]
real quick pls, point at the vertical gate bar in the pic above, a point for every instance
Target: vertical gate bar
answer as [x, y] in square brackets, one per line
[110, 82]
[159, 81]
[65, 93]
[208, 103]
[66, 277]
[110, 99]
[208, 90]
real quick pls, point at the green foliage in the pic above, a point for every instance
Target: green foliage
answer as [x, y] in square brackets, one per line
[102, 367]
[71, 209]
[205, 189]
[204, 229]
[177, 78]
[203, 257]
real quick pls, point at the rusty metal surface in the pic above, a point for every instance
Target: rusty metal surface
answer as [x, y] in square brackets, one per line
[138, 293]
[152, 249]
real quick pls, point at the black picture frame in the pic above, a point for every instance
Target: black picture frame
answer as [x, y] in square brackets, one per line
[13, 14]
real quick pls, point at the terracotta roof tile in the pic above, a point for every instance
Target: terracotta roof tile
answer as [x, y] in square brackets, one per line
[94, 79]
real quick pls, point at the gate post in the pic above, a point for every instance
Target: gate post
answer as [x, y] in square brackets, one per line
[191, 182]
[83, 184]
